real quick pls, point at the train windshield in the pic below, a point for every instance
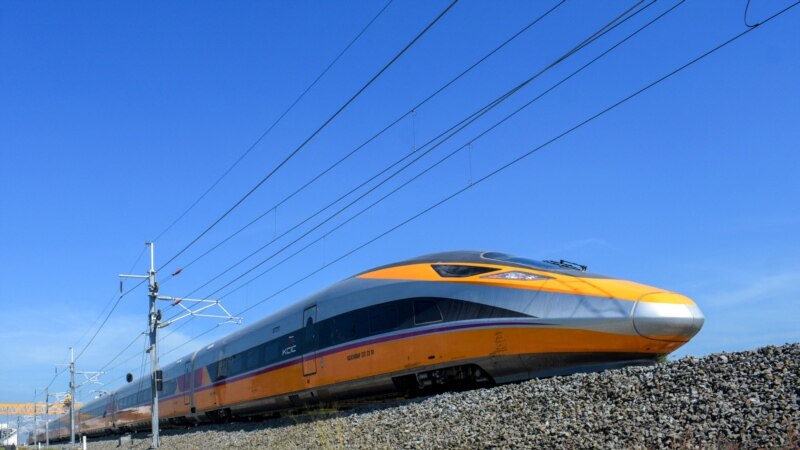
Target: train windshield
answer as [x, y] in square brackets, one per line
[524, 261]
[541, 265]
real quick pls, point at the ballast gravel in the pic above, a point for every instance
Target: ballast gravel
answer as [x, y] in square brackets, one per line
[727, 401]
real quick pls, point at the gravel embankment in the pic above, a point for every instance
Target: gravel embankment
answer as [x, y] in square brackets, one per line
[729, 400]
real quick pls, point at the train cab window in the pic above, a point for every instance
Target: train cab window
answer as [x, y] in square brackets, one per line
[460, 271]
[426, 311]
[384, 317]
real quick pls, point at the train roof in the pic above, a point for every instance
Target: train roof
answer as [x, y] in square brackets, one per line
[489, 257]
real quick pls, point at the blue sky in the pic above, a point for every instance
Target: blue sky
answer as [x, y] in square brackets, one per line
[115, 117]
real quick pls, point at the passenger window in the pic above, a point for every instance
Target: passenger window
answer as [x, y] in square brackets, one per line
[344, 328]
[426, 311]
[224, 369]
[236, 364]
[271, 352]
[384, 317]
[252, 358]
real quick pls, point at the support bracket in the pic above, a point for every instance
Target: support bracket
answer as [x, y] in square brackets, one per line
[200, 306]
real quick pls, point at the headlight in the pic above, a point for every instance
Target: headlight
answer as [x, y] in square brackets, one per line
[516, 275]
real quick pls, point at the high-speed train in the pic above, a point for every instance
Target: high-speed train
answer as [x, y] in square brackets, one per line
[443, 320]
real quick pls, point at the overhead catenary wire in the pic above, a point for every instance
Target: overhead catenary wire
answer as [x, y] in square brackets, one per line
[418, 155]
[139, 336]
[57, 373]
[142, 366]
[470, 141]
[746, 23]
[312, 136]
[122, 363]
[514, 161]
[110, 300]
[393, 123]
[274, 123]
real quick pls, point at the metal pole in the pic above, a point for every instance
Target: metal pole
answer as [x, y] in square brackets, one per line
[153, 343]
[47, 416]
[71, 396]
[35, 419]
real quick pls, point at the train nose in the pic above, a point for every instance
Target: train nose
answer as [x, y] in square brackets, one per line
[667, 317]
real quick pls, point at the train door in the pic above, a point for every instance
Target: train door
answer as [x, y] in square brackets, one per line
[310, 341]
[187, 383]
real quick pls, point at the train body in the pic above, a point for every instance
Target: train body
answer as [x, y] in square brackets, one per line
[440, 320]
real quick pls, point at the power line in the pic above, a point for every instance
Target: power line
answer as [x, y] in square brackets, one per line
[459, 149]
[375, 136]
[441, 138]
[108, 303]
[513, 162]
[314, 134]
[746, 23]
[139, 336]
[275, 122]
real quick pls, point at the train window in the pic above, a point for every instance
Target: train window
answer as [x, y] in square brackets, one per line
[384, 317]
[343, 328]
[212, 371]
[524, 261]
[426, 311]
[327, 332]
[460, 271]
[271, 352]
[144, 396]
[237, 364]
[170, 386]
[253, 358]
[224, 368]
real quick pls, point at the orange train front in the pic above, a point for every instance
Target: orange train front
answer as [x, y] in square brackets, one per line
[438, 321]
